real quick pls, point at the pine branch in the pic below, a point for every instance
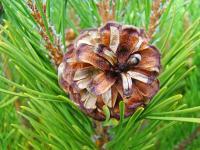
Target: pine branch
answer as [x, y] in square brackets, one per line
[189, 139]
[156, 14]
[52, 115]
[17, 102]
[8, 75]
[106, 11]
[55, 48]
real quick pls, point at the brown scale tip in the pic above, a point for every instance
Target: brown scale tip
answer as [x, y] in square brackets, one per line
[110, 64]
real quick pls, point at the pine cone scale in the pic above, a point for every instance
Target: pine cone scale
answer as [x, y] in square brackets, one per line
[101, 83]
[109, 64]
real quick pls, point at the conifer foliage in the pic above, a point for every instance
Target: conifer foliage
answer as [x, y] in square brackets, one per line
[35, 112]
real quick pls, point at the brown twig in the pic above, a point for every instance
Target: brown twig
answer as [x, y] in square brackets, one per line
[55, 48]
[1, 9]
[101, 135]
[186, 20]
[156, 14]
[8, 75]
[188, 140]
[106, 11]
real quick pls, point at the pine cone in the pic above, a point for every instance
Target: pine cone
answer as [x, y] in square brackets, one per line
[107, 65]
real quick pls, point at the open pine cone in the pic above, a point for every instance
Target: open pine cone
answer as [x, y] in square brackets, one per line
[107, 65]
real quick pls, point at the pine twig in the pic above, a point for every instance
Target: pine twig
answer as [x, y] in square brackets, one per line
[156, 14]
[183, 145]
[17, 103]
[8, 75]
[101, 135]
[106, 11]
[55, 48]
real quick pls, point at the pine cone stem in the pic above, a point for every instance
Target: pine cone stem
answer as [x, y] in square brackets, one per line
[101, 134]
